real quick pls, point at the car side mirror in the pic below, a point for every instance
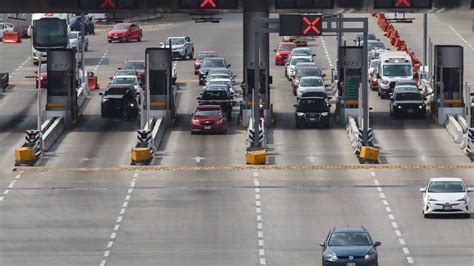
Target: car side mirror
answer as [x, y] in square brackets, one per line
[391, 98]
[100, 93]
[471, 189]
[229, 65]
[329, 98]
[314, 54]
[161, 43]
[274, 50]
[377, 243]
[295, 105]
[422, 189]
[324, 75]
[297, 99]
[234, 76]
[322, 244]
[198, 98]
[111, 78]
[119, 68]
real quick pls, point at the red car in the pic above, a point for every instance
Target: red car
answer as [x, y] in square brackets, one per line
[42, 76]
[124, 32]
[208, 118]
[284, 49]
[200, 58]
[137, 65]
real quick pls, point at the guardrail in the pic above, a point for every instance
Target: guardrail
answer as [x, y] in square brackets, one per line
[454, 129]
[81, 97]
[4, 81]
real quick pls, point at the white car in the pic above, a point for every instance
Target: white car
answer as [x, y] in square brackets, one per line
[5, 27]
[302, 51]
[75, 41]
[310, 83]
[446, 195]
[290, 67]
[127, 79]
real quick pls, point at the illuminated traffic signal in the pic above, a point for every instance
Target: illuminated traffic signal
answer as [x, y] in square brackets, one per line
[298, 4]
[402, 4]
[301, 25]
[209, 4]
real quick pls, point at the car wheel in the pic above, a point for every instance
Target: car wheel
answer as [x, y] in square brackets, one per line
[140, 37]
[294, 91]
[127, 39]
[109, 41]
[87, 48]
[425, 215]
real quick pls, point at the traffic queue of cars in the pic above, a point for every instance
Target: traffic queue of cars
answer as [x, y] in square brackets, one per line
[216, 100]
[391, 75]
[312, 106]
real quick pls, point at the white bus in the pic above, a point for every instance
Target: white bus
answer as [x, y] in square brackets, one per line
[49, 31]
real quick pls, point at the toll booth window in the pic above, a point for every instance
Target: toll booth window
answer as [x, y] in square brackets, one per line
[451, 79]
[158, 82]
[58, 83]
[51, 32]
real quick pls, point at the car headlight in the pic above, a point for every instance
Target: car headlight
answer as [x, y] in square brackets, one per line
[278, 54]
[464, 199]
[300, 114]
[331, 257]
[324, 113]
[399, 107]
[431, 199]
[221, 121]
[385, 82]
[367, 257]
[195, 121]
[421, 106]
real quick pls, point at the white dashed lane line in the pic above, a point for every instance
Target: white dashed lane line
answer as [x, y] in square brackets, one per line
[102, 59]
[119, 220]
[258, 210]
[326, 52]
[461, 37]
[392, 219]
[20, 67]
[10, 186]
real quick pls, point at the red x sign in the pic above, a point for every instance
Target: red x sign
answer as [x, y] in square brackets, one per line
[311, 25]
[402, 3]
[208, 3]
[108, 3]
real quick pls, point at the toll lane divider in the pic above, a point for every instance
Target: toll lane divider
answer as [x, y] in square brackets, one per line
[366, 153]
[4, 81]
[256, 155]
[454, 129]
[469, 150]
[148, 141]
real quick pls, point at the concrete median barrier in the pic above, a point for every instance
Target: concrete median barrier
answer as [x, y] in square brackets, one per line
[53, 129]
[454, 129]
[369, 154]
[4, 81]
[11, 37]
[31, 151]
[148, 141]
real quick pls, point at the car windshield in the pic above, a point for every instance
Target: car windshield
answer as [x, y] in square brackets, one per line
[134, 65]
[44, 68]
[375, 46]
[128, 80]
[286, 47]
[73, 35]
[125, 72]
[446, 187]
[205, 55]
[408, 96]
[176, 41]
[214, 63]
[219, 82]
[208, 112]
[116, 91]
[350, 239]
[221, 71]
[374, 63]
[214, 95]
[295, 61]
[397, 70]
[74, 19]
[311, 82]
[312, 105]
[120, 27]
[218, 76]
[308, 72]
[302, 52]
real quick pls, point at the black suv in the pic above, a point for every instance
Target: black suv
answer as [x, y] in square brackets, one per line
[118, 99]
[312, 111]
[217, 97]
[407, 101]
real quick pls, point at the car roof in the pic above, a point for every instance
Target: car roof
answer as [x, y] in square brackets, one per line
[446, 179]
[311, 77]
[134, 61]
[406, 88]
[302, 48]
[125, 76]
[120, 86]
[207, 52]
[350, 229]
[309, 67]
[209, 106]
[221, 79]
[287, 43]
[125, 23]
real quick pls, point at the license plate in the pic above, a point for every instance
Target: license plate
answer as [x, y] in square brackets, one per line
[312, 119]
[410, 110]
[207, 127]
[351, 264]
[447, 208]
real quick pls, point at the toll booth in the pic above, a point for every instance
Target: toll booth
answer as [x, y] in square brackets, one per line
[158, 67]
[61, 86]
[448, 82]
[349, 83]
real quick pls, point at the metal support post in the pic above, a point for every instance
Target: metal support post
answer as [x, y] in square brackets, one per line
[425, 40]
[256, 89]
[38, 119]
[365, 87]
[430, 60]
[340, 25]
[468, 104]
[82, 46]
[148, 92]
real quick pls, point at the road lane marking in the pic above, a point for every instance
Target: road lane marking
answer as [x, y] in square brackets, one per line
[392, 219]
[326, 52]
[9, 187]
[118, 222]
[258, 210]
[19, 67]
[251, 167]
[102, 59]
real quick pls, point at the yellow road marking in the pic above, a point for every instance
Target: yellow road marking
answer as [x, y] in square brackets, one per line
[253, 167]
